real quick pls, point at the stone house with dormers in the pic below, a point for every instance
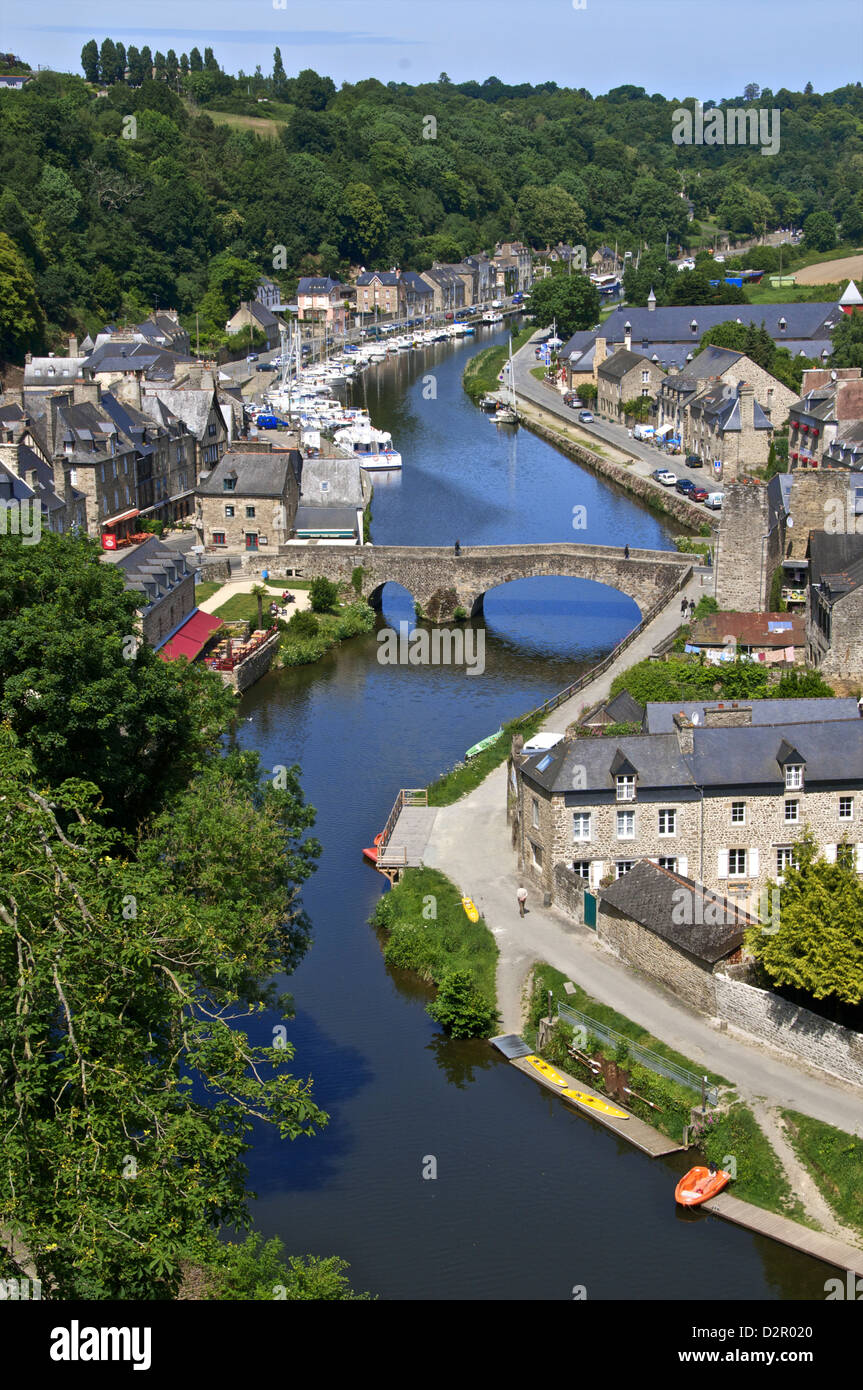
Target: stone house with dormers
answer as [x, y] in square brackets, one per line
[447, 287]
[714, 793]
[831, 402]
[381, 294]
[834, 612]
[247, 503]
[622, 377]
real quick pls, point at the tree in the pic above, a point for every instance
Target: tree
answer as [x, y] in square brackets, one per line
[260, 592]
[461, 1009]
[312, 91]
[90, 60]
[80, 692]
[108, 61]
[819, 231]
[135, 63]
[549, 215]
[129, 984]
[570, 300]
[279, 79]
[196, 62]
[22, 321]
[323, 595]
[364, 221]
[146, 64]
[818, 945]
[848, 341]
[751, 91]
[638, 407]
[210, 63]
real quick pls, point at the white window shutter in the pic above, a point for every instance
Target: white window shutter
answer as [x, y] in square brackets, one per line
[830, 854]
[753, 862]
[597, 871]
[860, 858]
[683, 866]
[722, 864]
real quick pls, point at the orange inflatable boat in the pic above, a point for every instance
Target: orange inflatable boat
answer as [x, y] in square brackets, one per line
[699, 1185]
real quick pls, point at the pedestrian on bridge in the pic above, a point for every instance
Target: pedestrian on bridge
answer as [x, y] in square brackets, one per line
[626, 552]
[457, 547]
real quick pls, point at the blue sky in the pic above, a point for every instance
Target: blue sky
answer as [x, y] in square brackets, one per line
[677, 47]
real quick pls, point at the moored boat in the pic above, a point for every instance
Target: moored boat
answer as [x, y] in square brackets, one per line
[471, 910]
[483, 744]
[700, 1184]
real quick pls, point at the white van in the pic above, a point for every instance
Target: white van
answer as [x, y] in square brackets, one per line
[643, 432]
[714, 500]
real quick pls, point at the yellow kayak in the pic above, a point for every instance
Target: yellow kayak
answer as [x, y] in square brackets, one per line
[595, 1104]
[545, 1070]
[470, 909]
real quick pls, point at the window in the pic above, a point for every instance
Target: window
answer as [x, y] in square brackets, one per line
[794, 777]
[536, 854]
[228, 484]
[785, 855]
[211, 428]
[670, 864]
[626, 787]
[622, 866]
[736, 862]
[218, 538]
[229, 511]
[738, 812]
[668, 822]
[581, 825]
[250, 511]
[626, 825]
[792, 811]
[582, 868]
[846, 808]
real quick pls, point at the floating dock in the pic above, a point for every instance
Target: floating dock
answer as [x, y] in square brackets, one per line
[769, 1223]
[643, 1136]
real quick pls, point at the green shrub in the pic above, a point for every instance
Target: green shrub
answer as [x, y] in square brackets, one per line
[303, 624]
[323, 595]
[302, 652]
[460, 1009]
[354, 619]
[460, 614]
[357, 576]
[414, 948]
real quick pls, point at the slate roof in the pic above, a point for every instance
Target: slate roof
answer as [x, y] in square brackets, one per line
[318, 284]
[584, 764]
[258, 475]
[325, 519]
[623, 709]
[156, 363]
[344, 479]
[659, 715]
[386, 277]
[416, 283]
[654, 897]
[619, 363]
[721, 404]
[836, 561]
[151, 568]
[192, 405]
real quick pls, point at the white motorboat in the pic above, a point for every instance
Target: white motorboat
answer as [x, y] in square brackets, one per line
[492, 316]
[373, 448]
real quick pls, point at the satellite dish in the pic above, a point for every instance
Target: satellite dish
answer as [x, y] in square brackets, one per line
[790, 521]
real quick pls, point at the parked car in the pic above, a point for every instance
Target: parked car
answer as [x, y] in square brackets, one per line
[585, 417]
[686, 486]
[252, 357]
[643, 432]
[699, 494]
[719, 260]
[267, 422]
[714, 501]
[694, 461]
[497, 303]
[664, 476]
[264, 367]
[573, 401]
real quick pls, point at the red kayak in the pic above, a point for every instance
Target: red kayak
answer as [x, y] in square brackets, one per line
[372, 852]
[699, 1185]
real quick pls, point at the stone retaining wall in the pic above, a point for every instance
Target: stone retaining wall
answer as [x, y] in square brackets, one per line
[254, 666]
[215, 571]
[790, 1027]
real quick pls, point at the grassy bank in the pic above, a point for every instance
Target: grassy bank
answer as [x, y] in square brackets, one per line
[466, 776]
[429, 933]
[481, 373]
[835, 1160]
[308, 636]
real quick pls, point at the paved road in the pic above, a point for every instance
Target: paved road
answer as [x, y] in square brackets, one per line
[647, 455]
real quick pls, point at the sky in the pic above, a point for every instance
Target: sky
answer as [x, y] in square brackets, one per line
[676, 47]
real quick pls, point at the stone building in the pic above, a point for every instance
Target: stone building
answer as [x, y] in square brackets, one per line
[165, 460]
[672, 929]
[834, 627]
[749, 547]
[254, 315]
[163, 585]
[381, 294]
[721, 797]
[323, 301]
[622, 377]
[248, 502]
[831, 401]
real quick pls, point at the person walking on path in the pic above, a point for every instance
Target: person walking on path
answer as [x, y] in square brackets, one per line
[457, 547]
[522, 899]
[683, 607]
[626, 552]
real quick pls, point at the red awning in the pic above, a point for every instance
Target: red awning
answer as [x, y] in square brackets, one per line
[191, 637]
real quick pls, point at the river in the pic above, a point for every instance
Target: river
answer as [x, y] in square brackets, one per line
[531, 1199]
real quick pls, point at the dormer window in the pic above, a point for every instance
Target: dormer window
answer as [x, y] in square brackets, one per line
[694, 326]
[793, 776]
[626, 786]
[229, 484]
[782, 325]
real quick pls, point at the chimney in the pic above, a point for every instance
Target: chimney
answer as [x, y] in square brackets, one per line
[685, 734]
[73, 345]
[9, 457]
[129, 390]
[746, 395]
[600, 352]
[87, 391]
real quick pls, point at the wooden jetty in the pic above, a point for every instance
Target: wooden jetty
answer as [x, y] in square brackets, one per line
[643, 1136]
[769, 1223]
[406, 833]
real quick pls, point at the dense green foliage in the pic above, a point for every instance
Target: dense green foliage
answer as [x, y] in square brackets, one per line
[761, 1178]
[308, 637]
[817, 946]
[681, 679]
[570, 302]
[323, 595]
[429, 932]
[480, 376]
[106, 218]
[257, 1270]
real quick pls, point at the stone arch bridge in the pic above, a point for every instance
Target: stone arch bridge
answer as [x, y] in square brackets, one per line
[440, 581]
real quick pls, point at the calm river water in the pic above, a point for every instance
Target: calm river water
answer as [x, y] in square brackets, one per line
[530, 1198]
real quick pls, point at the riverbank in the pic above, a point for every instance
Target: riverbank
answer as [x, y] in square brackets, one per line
[480, 376]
